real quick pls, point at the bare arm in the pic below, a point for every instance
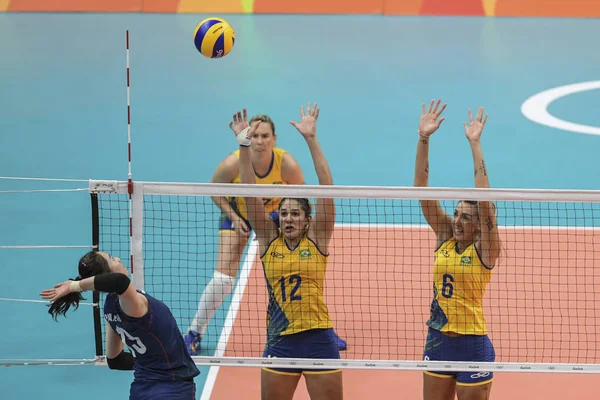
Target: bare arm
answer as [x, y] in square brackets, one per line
[263, 225]
[321, 229]
[132, 303]
[291, 171]
[489, 244]
[226, 172]
[434, 214]
[114, 345]
[261, 222]
[325, 213]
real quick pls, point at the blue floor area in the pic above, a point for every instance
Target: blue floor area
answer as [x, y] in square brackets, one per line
[63, 114]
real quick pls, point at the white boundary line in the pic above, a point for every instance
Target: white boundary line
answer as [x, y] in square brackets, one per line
[359, 225]
[231, 315]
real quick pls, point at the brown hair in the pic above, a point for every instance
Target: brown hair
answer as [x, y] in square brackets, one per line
[304, 204]
[264, 118]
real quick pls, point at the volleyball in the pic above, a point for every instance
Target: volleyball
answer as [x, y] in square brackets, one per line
[214, 37]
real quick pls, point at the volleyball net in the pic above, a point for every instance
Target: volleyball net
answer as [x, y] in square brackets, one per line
[540, 304]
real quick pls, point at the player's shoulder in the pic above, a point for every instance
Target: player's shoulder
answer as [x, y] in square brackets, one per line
[287, 158]
[231, 161]
[280, 151]
[110, 299]
[447, 245]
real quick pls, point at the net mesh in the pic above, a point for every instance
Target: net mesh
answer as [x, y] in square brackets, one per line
[540, 305]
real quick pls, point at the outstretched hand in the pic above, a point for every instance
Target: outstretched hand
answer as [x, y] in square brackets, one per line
[308, 122]
[239, 122]
[475, 127]
[243, 131]
[60, 290]
[430, 120]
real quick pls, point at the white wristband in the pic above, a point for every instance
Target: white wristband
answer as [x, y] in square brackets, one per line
[74, 286]
[243, 139]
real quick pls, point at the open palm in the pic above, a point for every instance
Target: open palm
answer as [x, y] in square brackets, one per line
[240, 122]
[430, 120]
[475, 127]
[308, 122]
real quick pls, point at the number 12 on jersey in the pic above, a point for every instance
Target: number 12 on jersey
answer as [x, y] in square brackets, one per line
[294, 282]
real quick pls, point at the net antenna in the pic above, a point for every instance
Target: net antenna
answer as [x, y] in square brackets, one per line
[134, 207]
[129, 175]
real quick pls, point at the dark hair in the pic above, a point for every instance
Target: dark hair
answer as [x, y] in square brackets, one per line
[91, 264]
[476, 203]
[304, 204]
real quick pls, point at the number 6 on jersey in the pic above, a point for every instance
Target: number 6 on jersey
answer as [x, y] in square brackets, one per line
[447, 287]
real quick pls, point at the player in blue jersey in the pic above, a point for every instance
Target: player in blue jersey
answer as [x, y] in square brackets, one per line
[162, 367]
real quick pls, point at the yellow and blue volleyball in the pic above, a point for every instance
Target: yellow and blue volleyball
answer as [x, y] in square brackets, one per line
[214, 37]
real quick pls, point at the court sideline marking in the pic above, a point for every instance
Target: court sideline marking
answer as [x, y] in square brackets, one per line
[234, 306]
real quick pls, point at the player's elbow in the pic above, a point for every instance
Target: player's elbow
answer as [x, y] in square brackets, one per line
[122, 362]
[113, 282]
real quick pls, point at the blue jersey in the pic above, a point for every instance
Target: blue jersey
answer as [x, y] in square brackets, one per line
[154, 340]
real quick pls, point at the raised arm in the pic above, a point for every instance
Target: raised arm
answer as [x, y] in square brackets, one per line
[263, 225]
[132, 303]
[489, 243]
[434, 214]
[322, 227]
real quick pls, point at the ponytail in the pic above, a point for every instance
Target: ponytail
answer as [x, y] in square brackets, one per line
[91, 264]
[61, 305]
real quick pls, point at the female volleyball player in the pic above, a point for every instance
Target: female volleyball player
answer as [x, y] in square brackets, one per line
[467, 249]
[294, 257]
[272, 165]
[162, 367]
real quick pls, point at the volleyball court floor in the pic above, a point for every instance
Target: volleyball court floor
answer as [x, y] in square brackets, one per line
[63, 115]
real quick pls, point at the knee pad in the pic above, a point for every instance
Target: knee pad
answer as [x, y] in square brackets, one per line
[223, 281]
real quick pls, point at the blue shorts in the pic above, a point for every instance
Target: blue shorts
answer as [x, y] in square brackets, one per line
[226, 224]
[478, 348]
[155, 390]
[314, 343]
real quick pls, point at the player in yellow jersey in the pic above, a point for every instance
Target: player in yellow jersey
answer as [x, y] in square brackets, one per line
[272, 165]
[294, 257]
[467, 249]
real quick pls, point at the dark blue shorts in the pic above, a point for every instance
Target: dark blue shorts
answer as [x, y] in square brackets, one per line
[478, 348]
[226, 225]
[155, 390]
[314, 343]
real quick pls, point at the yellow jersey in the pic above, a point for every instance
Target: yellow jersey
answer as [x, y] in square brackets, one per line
[272, 177]
[295, 280]
[459, 284]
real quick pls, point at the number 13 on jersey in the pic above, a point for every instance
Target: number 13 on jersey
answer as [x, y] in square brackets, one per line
[134, 343]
